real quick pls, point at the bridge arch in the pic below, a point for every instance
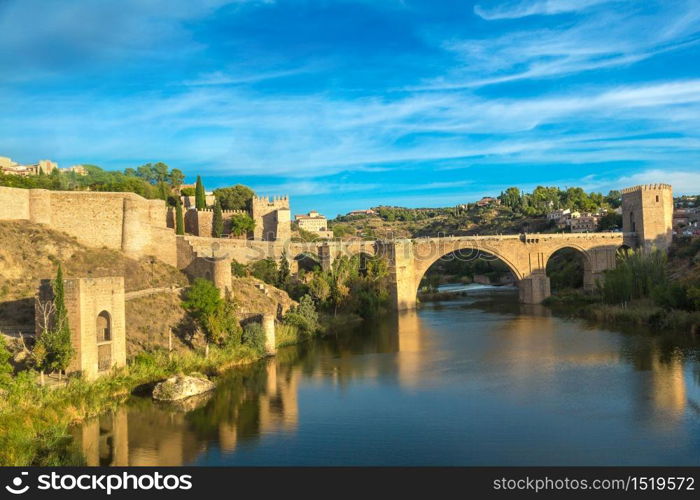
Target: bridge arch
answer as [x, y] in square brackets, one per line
[467, 252]
[582, 255]
[307, 261]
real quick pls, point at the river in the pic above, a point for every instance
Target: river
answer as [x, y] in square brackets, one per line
[481, 380]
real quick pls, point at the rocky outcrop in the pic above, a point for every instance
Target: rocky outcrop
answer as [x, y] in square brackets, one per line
[181, 387]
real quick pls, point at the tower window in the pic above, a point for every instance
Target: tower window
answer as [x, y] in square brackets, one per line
[657, 198]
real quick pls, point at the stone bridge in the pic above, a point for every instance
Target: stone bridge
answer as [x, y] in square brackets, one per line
[526, 255]
[646, 218]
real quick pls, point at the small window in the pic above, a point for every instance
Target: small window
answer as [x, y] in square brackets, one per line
[657, 198]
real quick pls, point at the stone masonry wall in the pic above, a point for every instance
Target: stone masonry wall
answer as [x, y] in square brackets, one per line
[121, 221]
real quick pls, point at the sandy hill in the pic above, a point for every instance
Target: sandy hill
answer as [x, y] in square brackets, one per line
[30, 252]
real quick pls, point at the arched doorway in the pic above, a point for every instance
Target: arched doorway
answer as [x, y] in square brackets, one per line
[567, 269]
[104, 341]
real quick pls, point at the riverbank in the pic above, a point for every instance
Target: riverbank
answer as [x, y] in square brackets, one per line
[35, 419]
[642, 312]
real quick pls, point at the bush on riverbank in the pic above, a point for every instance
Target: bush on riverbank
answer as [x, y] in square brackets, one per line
[35, 420]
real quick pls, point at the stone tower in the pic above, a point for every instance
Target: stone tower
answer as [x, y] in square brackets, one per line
[272, 218]
[95, 308]
[648, 211]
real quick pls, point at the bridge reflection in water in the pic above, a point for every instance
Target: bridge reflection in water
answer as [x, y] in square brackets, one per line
[529, 357]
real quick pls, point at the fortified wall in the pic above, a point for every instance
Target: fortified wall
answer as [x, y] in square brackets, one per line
[120, 221]
[200, 222]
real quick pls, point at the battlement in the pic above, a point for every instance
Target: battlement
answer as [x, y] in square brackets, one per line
[224, 212]
[646, 187]
[275, 201]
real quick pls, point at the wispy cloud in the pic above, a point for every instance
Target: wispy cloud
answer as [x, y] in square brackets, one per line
[524, 8]
[612, 38]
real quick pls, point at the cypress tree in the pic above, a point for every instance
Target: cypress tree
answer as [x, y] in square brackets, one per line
[54, 343]
[200, 197]
[179, 219]
[217, 225]
[284, 273]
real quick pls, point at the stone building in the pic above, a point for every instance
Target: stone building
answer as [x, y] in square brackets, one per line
[96, 319]
[315, 223]
[648, 211]
[586, 223]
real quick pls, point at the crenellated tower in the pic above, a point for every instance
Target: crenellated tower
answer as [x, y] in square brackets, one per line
[647, 210]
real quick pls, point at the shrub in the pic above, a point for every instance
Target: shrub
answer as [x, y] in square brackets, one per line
[254, 337]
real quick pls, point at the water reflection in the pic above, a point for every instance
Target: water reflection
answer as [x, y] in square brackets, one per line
[487, 380]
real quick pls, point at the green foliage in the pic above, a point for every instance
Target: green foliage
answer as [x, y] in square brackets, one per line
[283, 271]
[634, 277]
[53, 350]
[340, 230]
[151, 181]
[609, 221]
[200, 196]
[214, 315]
[304, 317]
[565, 269]
[254, 337]
[238, 197]
[217, 226]
[187, 191]
[354, 284]
[238, 269]
[5, 356]
[241, 224]
[179, 218]
[265, 270]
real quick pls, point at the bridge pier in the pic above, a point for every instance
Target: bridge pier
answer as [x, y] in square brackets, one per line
[326, 256]
[534, 289]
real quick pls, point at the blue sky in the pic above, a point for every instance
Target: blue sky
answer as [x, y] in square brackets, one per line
[349, 104]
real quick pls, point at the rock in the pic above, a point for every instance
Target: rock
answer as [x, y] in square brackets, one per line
[181, 387]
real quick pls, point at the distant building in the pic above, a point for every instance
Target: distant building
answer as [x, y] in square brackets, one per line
[7, 166]
[78, 169]
[585, 223]
[557, 215]
[315, 223]
[368, 211]
[487, 201]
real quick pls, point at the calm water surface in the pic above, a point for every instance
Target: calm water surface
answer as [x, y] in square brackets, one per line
[477, 381]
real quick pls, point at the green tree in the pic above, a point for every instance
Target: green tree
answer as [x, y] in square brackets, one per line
[304, 316]
[176, 178]
[200, 196]
[511, 198]
[214, 316]
[179, 218]
[187, 191]
[283, 272]
[236, 197]
[265, 270]
[609, 221]
[55, 348]
[217, 225]
[241, 224]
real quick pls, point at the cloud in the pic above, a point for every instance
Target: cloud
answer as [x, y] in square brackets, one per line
[612, 38]
[683, 181]
[524, 8]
